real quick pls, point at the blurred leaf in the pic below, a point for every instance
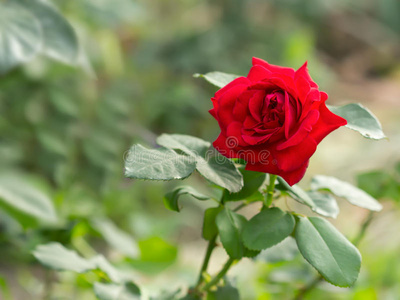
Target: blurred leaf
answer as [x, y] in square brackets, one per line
[21, 36]
[325, 204]
[17, 193]
[219, 79]
[328, 251]
[157, 164]
[171, 198]
[59, 38]
[296, 192]
[213, 166]
[365, 294]
[361, 119]
[285, 251]
[110, 291]
[379, 184]
[167, 295]
[230, 226]
[267, 228]
[210, 229]
[345, 190]
[117, 238]
[224, 293]
[252, 182]
[55, 256]
[156, 255]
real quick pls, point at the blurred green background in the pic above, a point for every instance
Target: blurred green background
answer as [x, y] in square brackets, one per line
[65, 131]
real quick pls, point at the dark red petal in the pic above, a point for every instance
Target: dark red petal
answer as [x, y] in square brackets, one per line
[255, 105]
[303, 72]
[295, 176]
[234, 132]
[226, 103]
[239, 80]
[292, 158]
[290, 114]
[269, 166]
[221, 144]
[303, 87]
[327, 123]
[258, 73]
[302, 132]
[273, 68]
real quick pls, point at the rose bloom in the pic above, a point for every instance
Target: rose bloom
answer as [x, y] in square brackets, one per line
[274, 119]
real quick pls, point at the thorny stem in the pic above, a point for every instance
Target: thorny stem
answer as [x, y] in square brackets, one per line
[306, 289]
[210, 248]
[270, 190]
[220, 275]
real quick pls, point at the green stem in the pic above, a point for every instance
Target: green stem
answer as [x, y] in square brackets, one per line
[270, 190]
[219, 276]
[363, 229]
[210, 248]
[302, 292]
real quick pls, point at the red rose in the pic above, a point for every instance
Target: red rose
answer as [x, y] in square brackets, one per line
[274, 119]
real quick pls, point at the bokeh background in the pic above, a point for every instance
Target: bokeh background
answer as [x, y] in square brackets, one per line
[66, 130]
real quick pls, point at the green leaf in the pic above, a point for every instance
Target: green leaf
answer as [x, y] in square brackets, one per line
[20, 36]
[360, 119]
[59, 38]
[325, 204]
[213, 166]
[345, 190]
[210, 229]
[224, 293]
[111, 291]
[221, 171]
[156, 255]
[328, 251]
[230, 226]
[379, 184]
[171, 198]
[16, 193]
[218, 79]
[55, 256]
[296, 192]
[252, 182]
[157, 164]
[188, 144]
[285, 251]
[117, 238]
[268, 228]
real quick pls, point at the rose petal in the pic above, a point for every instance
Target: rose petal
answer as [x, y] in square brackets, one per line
[290, 114]
[302, 132]
[258, 73]
[292, 158]
[234, 132]
[240, 80]
[221, 144]
[255, 105]
[269, 166]
[303, 72]
[273, 68]
[327, 123]
[226, 103]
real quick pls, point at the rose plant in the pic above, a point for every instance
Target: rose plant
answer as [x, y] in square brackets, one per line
[271, 123]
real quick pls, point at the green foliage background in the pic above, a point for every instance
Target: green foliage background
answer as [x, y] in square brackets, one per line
[65, 130]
